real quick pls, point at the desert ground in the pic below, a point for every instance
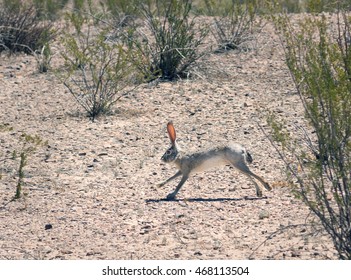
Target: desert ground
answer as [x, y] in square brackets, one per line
[91, 192]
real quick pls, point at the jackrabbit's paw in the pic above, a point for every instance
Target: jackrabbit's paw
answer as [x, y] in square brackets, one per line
[171, 196]
[268, 187]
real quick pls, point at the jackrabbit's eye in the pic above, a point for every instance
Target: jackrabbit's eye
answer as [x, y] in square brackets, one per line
[168, 152]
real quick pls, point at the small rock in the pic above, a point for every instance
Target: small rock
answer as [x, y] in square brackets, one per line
[263, 215]
[92, 253]
[145, 229]
[295, 254]
[66, 252]
[164, 241]
[48, 226]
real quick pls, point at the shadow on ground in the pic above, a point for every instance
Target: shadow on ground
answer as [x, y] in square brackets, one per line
[200, 199]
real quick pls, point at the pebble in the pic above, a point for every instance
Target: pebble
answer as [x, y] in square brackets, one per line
[48, 226]
[263, 214]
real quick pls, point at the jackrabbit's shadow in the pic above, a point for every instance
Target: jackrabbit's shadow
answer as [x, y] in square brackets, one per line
[200, 199]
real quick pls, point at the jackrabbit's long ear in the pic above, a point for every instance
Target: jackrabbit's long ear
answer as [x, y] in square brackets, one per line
[171, 132]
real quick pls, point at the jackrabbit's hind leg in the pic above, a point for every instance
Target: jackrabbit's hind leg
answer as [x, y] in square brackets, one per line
[241, 166]
[248, 171]
[258, 189]
[267, 186]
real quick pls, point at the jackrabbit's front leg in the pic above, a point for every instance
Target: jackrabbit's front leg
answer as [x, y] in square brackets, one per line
[169, 179]
[173, 194]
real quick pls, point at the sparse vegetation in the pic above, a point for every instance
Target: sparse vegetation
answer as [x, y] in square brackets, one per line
[319, 164]
[233, 23]
[96, 70]
[319, 6]
[28, 145]
[49, 9]
[21, 30]
[122, 11]
[171, 43]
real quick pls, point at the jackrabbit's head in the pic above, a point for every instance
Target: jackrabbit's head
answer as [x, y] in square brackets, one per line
[171, 154]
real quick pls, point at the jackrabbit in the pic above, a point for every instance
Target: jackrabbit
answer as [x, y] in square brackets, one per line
[188, 164]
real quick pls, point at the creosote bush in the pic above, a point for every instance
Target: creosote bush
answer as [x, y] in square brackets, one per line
[49, 9]
[97, 72]
[319, 59]
[171, 43]
[308, 6]
[122, 11]
[21, 30]
[233, 22]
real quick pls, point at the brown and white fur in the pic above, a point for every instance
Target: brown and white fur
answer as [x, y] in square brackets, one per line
[187, 164]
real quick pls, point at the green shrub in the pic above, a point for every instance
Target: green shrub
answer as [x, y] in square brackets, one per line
[319, 6]
[96, 70]
[49, 9]
[79, 5]
[11, 5]
[309, 6]
[122, 8]
[171, 44]
[28, 145]
[318, 57]
[289, 6]
[233, 22]
[22, 31]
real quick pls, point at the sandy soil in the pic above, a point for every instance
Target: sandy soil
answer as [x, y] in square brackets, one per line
[95, 182]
